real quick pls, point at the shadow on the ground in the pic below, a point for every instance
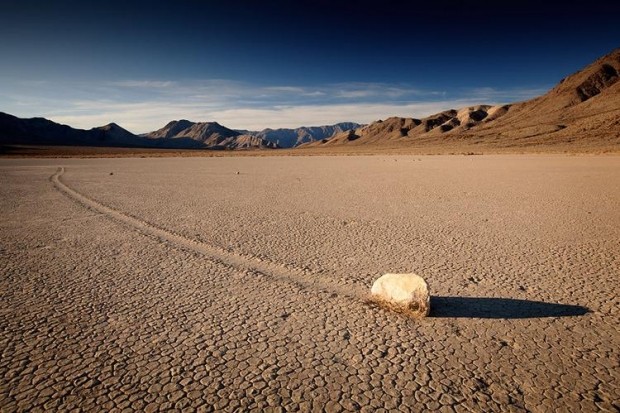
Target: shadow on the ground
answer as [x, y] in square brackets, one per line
[508, 308]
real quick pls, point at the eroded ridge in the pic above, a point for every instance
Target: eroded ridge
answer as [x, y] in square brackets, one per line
[251, 264]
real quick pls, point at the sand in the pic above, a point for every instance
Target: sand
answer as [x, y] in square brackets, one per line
[159, 283]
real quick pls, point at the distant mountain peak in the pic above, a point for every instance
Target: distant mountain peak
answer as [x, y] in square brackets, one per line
[180, 122]
[109, 126]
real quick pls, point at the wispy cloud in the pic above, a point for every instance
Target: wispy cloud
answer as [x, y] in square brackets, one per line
[145, 105]
[504, 95]
[354, 94]
[286, 89]
[149, 84]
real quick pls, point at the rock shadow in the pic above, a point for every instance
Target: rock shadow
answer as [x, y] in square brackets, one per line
[506, 308]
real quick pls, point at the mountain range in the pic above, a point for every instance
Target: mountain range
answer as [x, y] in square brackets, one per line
[179, 134]
[582, 111]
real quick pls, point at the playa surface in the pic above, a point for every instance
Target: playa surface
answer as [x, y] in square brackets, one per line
[241, 283]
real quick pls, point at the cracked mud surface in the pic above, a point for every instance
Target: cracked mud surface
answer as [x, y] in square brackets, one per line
[180, 284]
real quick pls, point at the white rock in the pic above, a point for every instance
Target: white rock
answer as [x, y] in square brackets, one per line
[406, 291]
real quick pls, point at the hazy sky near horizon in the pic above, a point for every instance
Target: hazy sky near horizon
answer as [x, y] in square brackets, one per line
[257, 64]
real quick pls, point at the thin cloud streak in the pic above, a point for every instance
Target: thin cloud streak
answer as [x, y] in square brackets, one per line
[148, 84]
[505, 95]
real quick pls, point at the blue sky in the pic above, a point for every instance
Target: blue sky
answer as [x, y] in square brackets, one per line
[286, 63]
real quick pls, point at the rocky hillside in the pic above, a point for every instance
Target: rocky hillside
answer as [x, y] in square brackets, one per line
[583, 110]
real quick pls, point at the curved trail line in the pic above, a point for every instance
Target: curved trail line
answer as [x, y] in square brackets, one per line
[246, 263]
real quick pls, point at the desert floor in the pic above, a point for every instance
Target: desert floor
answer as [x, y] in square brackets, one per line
[241, 283]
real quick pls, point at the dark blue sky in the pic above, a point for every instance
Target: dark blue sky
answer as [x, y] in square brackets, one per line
[286, 62]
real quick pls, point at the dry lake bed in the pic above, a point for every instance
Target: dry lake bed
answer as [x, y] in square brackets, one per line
[239, 284]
